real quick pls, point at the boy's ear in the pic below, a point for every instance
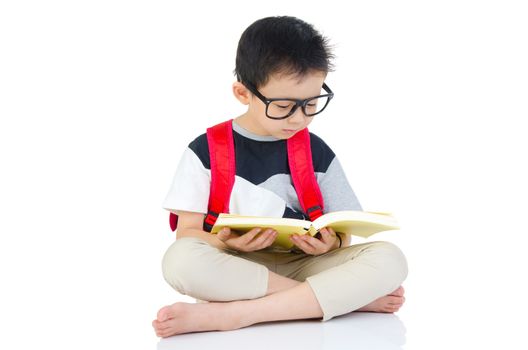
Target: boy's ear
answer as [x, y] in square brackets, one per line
[241, 93]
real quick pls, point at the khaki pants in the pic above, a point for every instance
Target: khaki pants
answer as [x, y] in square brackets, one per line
[343, 280]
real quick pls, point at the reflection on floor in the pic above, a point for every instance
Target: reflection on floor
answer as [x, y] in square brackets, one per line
[356, 330]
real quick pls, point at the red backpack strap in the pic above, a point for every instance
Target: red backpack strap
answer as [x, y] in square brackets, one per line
[223, 169]
[303, 174]
[173, 221]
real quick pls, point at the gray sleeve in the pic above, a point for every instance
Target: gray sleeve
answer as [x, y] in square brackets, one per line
[336, 191]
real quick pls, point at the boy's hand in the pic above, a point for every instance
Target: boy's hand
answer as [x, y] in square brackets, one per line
[249, 241]
[313, 246]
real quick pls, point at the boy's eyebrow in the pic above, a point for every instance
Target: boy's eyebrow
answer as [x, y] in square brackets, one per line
[296, 98]
[300, 98]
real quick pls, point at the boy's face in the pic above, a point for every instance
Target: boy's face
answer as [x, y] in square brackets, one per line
[282, 86]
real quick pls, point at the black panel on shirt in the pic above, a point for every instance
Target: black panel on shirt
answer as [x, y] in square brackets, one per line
[256, 161]
[289, 213]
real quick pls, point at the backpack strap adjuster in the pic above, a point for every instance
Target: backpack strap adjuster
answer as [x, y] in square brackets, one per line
[211, 217]
[317, 207]
[314, 212]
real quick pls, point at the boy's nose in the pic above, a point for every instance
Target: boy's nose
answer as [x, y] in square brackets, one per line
[297, 117]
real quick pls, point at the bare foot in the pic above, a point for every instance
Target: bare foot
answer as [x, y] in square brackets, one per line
[389, 303]
[181, 318]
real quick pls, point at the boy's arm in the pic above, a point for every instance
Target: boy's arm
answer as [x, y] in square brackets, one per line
[190, 224]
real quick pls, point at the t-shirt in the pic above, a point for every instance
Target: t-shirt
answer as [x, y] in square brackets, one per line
[263, 185]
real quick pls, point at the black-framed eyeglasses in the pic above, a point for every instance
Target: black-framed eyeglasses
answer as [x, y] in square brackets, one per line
[282, 108]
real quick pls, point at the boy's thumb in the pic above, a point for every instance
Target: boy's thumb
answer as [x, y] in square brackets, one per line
[224, 231]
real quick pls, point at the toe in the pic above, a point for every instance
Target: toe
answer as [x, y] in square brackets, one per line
[398, 292]
[161, 326]
[388, 309]
[394, 299]
[156, 325]
[164, 313]
[393, 308]
[165, 333]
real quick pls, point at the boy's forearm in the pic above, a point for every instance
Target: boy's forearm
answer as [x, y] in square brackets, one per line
[206, 236]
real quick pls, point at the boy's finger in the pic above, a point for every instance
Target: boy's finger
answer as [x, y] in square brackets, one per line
[305, 241]
[328, 230]
[251, 234]
[325, 235]
[222, 234]
[266, 238]
[318, 243]
[327, 238]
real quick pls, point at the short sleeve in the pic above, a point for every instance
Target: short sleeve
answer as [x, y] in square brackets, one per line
[190, 186]
[336, 190]
[333, 183]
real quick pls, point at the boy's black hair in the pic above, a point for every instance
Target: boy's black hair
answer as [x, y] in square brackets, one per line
[280, 44]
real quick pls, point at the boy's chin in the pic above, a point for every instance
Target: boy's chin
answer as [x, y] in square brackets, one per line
[283, 137]
[286, 134]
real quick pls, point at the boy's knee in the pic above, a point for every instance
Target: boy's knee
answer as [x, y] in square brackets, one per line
[391, 259]
[180, 259]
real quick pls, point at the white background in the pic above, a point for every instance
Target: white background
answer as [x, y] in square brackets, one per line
[98, 99]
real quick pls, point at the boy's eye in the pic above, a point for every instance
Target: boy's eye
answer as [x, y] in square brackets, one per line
[283, 104]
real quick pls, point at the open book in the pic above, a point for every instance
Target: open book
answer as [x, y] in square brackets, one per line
[351, 222]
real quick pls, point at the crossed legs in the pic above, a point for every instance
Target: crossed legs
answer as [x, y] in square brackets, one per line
[281, 298]
[286, 299]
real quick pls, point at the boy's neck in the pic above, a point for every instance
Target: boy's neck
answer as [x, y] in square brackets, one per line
[246, 129]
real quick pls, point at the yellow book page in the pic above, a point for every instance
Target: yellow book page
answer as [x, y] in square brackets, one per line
[360, 229]
[357, 223]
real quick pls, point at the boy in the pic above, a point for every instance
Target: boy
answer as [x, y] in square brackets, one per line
[245, 280]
